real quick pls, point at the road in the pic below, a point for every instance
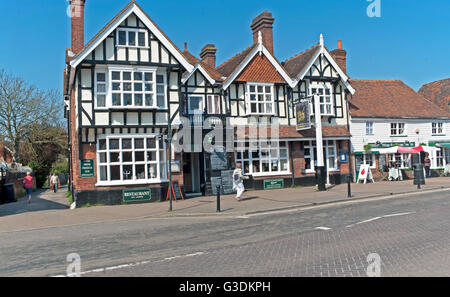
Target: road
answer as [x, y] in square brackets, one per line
[411, 235]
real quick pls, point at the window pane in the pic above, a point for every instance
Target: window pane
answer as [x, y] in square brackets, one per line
[114, 157]
[252, 89]
[101, 100]
[102, 144]
[159, 79]
[127, 157]
[126, 75]
[127, 172]
[127, 99]
[102, 158]
[260, 89]
[101, 88]
[148, 87]
[101, 77]
[127, 87]
[151, 156]
[149, 100]
[103, 173]
[274, 165]
[284, 164]
[126, 143]
[132, 38]
[161, 101]
[151, 143]
[152, 171]
[116, 100]
[122, 38]
[141, 37]
[139, 143]
[148, 76]
[116, 86]
[140, 171]
[139, 157]
[115, 172]
[268, 90]
[115, 75]
[255, 166]
[138, 76]
[138, 87]
[265, 166]
[160, 89]
[114, 144]
[138, 100]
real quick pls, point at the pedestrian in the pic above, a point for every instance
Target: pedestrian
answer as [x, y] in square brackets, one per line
[54, 181]
[238, 184]
[28, 185]
[427, 164]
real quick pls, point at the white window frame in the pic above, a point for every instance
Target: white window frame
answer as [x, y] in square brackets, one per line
[127, 34]
[322, 97]
[154, 92]
[272, 154]
[370, 128]
[403, 158]
[264, 93]
[438, 128]
[97, 92]
[161, 164]
[202, 103]
[213, 108]
[311, 145]
[397, 128]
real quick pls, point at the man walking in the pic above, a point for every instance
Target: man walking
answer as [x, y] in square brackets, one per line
[54, 181]
[238, 181]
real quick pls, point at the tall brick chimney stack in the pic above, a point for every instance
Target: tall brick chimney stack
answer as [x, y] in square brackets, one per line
[340, 56]
[77, 21]
[208, 55]
[264, 23]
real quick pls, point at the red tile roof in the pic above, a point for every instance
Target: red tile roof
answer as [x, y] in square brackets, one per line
[231, 64]
[211, 71]
[438, 92]
[390, 99]
[260, 70]
[291, 132]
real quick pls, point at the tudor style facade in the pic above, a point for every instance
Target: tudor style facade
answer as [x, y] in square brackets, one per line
[130, 82]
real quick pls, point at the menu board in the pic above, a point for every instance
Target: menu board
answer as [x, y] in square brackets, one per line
[225, 181]
[219, 160]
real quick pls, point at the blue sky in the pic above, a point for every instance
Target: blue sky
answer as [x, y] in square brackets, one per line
[410, 41]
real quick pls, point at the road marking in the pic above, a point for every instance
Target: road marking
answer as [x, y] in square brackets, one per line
[369, 220]
[398, 214]
[132, 264]
[385, 216]
[323, 228]
[242, 217]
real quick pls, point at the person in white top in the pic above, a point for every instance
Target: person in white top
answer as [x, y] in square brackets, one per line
[238, 178]
[54, 180]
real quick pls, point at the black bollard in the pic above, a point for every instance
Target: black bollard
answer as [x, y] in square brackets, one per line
[218, 199]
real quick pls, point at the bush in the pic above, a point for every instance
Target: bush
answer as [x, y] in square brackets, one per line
[40, 173]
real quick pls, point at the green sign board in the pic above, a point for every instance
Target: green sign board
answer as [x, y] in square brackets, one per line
[273, 184]
[136, 195]
[392, 144]
[87, 168]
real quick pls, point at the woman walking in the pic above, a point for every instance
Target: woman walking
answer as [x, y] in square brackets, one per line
[28, 185]
[238, 184]
[427, 163]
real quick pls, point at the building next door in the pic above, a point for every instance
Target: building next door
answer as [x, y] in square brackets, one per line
[192, 174]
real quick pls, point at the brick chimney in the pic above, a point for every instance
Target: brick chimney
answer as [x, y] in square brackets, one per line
[340, 56]
[264, 23]
[208, 55]
[77, 21]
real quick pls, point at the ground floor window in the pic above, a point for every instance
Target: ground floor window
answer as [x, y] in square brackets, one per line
[131, 159]
[267, 159]
[330, 155]
[366, 159]
[400, 160]
[440, 162]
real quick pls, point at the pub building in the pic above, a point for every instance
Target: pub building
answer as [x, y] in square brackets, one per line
[130, 83]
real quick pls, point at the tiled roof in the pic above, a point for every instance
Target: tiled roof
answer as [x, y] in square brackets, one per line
[291, 132]
[438, 92]
[260, 70]
[230, 65]
[295, 65]
[390, 99]
[211, 71]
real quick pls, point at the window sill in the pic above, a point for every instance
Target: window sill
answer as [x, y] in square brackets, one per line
[132, 46]
[399, 136]
[130, 183]
[271, 173]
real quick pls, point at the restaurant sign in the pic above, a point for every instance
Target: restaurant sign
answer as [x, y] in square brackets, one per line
[392, 144]
[303, 116]
[136, 195]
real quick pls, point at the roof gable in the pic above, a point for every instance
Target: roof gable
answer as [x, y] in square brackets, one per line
[211, 74]
[131, 8]
[437, 92]
[260, 70]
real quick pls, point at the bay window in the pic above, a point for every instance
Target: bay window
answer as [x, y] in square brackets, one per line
[270, 159]
[131, 159]
[260, 99]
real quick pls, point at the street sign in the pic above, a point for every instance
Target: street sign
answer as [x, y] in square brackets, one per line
[136, 195]
[303, 116]
[273, 184]
[87, 168]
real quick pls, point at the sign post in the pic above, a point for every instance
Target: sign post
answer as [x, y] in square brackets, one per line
[320, 170]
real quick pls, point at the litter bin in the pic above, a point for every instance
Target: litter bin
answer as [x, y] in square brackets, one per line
[419, 176]
[8, 193]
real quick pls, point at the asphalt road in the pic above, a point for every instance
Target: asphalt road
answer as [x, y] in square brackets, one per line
[410, 234]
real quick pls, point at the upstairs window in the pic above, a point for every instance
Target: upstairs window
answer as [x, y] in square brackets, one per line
[213, 104]
[369, 128]
[101, 89]
[132, 38]
[138, 88]
[437, 128]
[326, 104]
[260, 100]
[398, 129]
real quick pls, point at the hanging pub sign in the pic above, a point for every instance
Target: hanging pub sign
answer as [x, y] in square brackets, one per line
[303, 116]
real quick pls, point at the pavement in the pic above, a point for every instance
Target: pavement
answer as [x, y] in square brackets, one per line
[49, 209]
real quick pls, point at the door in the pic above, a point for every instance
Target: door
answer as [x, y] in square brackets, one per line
[191, 173]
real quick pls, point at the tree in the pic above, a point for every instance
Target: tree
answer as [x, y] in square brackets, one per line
[23, 107]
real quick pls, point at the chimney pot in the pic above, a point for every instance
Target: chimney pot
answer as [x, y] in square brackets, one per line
[340, 44]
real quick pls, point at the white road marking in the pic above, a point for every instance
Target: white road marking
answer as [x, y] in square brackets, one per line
[385, 216]
[369, 220]
[132, 264]
[323, 228]
[398, 214]
[242, 217]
